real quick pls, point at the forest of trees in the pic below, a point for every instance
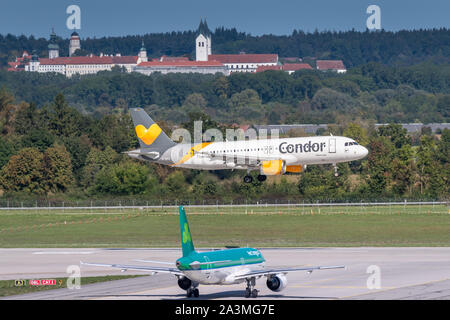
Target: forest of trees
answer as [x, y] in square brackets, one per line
[370, 92]
[56, 152]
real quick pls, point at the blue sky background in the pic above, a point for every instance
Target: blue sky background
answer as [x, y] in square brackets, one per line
[133, 17]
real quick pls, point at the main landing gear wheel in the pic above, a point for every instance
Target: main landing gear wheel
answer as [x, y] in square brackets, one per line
[192, 292]
[250, 291]
[335, 170]
[262, 177]
[248, 179]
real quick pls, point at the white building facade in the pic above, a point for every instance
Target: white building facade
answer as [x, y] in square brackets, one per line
[203, 67]
[245, 62]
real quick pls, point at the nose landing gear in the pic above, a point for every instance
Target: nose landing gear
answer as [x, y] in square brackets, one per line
[335, 170]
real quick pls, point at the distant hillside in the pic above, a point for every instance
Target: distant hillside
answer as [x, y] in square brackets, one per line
[373, 91]
[353, 47]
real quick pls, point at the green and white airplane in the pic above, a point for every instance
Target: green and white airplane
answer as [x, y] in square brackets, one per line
[223, 267]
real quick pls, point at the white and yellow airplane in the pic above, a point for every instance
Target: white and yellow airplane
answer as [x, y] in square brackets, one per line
[269, 156]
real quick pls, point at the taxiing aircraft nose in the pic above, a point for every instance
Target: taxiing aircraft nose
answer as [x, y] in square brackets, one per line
[364, 151]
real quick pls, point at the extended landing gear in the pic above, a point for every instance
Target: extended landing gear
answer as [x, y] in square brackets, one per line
[192, 292]
[335, 170]
[250, 291]
[249, 179]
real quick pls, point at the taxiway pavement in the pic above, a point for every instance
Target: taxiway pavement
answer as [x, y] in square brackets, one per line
[404, 273]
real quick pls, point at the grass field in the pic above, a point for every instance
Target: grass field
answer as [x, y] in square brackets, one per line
[8, 287]
[238, 226]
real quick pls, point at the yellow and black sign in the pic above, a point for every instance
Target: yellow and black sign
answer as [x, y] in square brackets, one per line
[19, 283]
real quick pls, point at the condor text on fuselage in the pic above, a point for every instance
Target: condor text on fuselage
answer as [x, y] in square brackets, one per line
[297, 148]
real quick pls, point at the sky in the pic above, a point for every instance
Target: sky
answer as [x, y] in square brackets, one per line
[280, 17]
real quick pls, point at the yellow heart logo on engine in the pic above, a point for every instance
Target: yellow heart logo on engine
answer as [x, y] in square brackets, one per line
[148, 135]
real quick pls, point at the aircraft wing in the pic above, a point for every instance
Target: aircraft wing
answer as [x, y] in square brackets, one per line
[125, 267]
[154, 261]
[270, 272]
[248, 159]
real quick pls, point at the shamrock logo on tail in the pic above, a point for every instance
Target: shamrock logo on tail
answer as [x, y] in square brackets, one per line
[186, 233]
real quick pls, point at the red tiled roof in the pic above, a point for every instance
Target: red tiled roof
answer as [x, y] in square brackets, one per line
[296, 66]
[167, 58]
[181, 64]
[59, 61]
[330, 65]
[24, 56]
[15, 66]
[125, 59]
[285, 67]
[244, 58]
[265, 68]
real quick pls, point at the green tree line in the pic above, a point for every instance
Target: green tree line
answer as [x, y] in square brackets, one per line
[372, 92]
[58, 152]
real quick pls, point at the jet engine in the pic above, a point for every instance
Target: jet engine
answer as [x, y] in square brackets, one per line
[273, 167]
[184, 283]
[277, 282]
[295, 168]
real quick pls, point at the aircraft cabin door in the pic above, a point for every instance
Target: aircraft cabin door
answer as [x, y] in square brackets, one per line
[207, 271]
[332, 145]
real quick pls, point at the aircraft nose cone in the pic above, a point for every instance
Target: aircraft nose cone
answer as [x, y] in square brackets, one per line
[364, 152]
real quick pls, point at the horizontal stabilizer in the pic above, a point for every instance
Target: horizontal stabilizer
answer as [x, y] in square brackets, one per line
[136, 153]
[125, 267]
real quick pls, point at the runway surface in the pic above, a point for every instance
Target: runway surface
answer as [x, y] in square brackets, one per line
[404, 273]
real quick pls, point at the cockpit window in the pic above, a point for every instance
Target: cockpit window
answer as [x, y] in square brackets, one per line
[351, 144]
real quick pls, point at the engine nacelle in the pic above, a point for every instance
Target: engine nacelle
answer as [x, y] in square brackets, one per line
[277, 282]
[294, 168]
[184, 283]
[273, 167]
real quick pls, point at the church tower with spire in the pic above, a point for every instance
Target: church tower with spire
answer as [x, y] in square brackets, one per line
[203, 42]
[53, 47]
[142, 55]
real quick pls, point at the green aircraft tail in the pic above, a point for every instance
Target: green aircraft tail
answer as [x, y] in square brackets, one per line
[186, 240]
